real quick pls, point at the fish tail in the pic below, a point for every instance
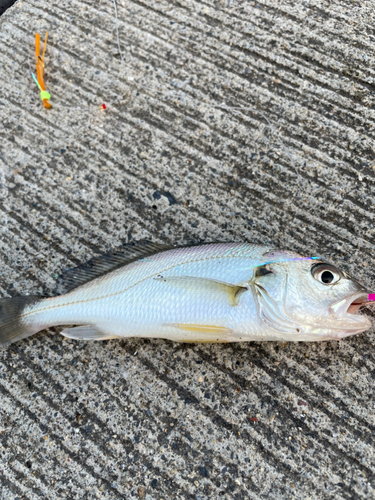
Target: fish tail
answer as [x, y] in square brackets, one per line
[13, 326]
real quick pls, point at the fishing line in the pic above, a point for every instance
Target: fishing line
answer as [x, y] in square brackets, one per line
[39, 80]
[118, 39]
[180, 94]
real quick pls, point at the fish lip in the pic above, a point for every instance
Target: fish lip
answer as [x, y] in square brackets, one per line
[350, 305]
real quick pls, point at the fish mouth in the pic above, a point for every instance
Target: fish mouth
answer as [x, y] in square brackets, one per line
[349, 306]
[348, 321]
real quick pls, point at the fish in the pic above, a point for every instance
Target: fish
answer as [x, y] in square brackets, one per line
[213, 292]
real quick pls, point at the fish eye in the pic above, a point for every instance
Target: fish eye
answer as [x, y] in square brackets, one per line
[326, 274]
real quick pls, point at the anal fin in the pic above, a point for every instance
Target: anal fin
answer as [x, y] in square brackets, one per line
[87, 332]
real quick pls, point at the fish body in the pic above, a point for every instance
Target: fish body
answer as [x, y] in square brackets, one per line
[224, 292]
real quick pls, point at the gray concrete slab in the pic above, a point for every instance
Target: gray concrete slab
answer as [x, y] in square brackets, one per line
[225, 120]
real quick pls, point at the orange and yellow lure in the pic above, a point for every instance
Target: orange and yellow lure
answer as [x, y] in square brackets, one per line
[44, 95]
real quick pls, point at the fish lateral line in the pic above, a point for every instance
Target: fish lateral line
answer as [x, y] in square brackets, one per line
[234, 298]
[199, 312]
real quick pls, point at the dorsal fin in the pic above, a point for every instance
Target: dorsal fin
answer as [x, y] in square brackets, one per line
[99, 266]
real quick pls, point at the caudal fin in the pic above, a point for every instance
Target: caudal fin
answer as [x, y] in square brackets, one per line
[12, 326]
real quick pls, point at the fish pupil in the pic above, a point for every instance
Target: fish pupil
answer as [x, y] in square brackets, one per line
[327, 277]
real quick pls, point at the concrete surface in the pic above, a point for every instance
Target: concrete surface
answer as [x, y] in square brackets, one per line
[226, 120]
[5, 4]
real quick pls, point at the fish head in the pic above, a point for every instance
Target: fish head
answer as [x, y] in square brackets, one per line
[313, 299]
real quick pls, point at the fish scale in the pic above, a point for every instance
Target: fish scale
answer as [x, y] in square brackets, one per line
[223, 292]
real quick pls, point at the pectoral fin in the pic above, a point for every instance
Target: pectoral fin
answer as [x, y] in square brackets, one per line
[207, 287]
[87, 332]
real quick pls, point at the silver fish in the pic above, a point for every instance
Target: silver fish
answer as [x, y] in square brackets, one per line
[224, 292]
